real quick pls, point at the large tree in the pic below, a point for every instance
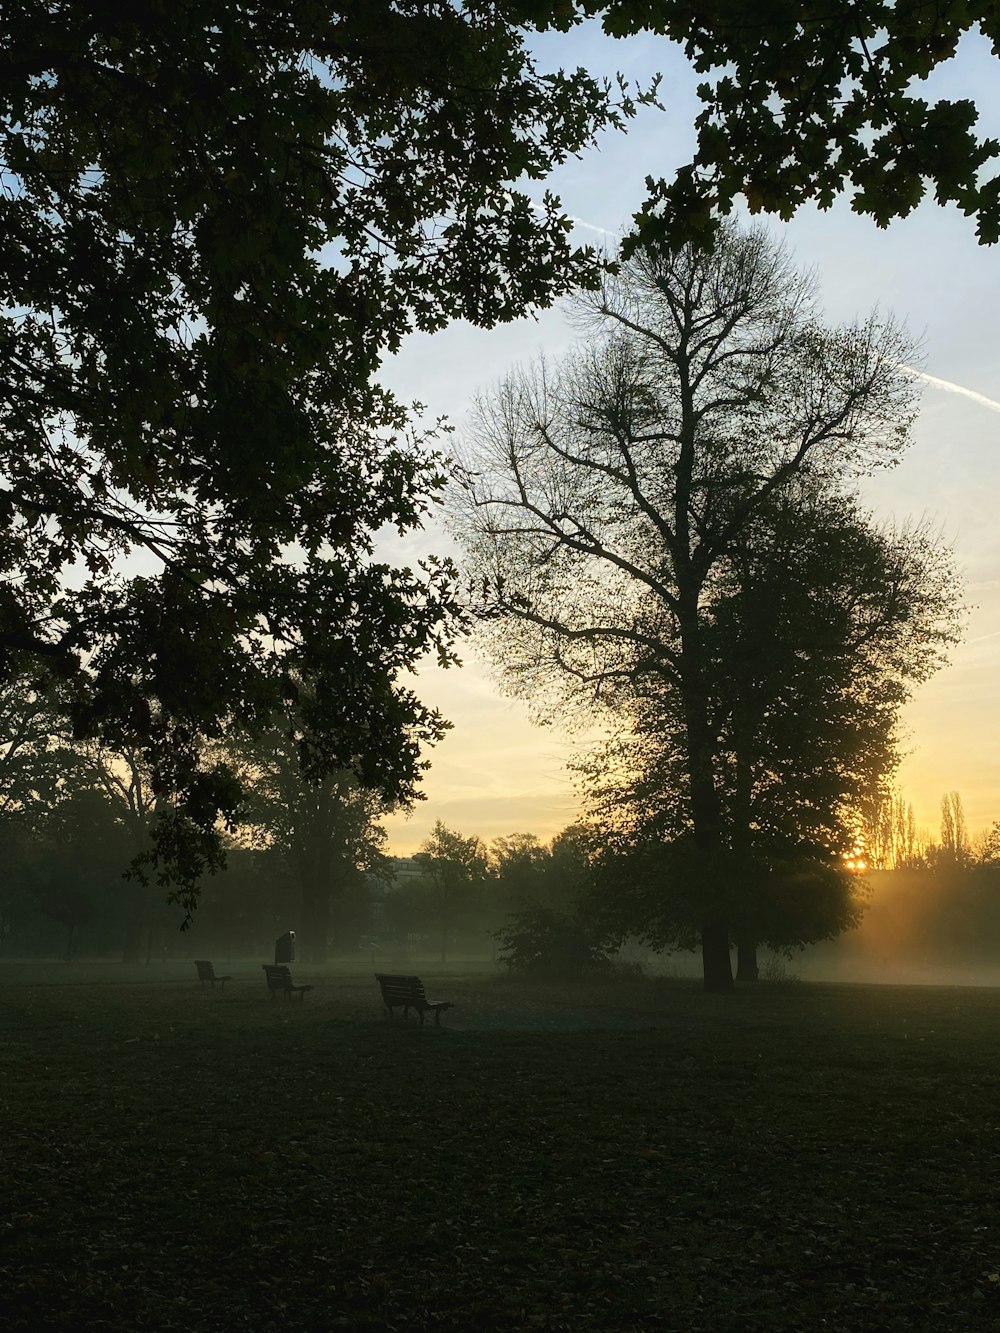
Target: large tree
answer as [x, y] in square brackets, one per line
[816, 627]
[456, 869]
[217, 218]
[802, 101]
[325, 828]
[606, 495]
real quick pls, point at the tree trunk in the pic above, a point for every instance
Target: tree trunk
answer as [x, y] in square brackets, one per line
[315, 914]
[715, 961]
[746, 962]
[706, 813]
[319, 924]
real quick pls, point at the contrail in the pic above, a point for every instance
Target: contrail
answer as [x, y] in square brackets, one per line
[589, 226]
[579, 222]
[952, 388]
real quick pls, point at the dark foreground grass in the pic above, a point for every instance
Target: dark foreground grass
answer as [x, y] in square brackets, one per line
[801, 1158]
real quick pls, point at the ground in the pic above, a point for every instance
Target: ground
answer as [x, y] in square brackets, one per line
[633, 1156]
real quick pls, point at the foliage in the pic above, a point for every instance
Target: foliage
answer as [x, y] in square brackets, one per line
[803, 101]
[553, 930]
[33, 758]
[218, 219]
[556, 876]
[890, 839]
[455, 874]
[988, 851]
[815, 629]
[954, 849]
[325, 827]
[548, 943]
[578, 1136]
[662, 529]
[518, 863]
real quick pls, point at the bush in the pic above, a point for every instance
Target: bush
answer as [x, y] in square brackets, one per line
[774, 971]
[544, 942]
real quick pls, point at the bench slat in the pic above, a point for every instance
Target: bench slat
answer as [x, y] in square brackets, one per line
[279, 979]
[400, 992]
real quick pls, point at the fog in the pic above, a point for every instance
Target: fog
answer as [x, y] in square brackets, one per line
[920, 928]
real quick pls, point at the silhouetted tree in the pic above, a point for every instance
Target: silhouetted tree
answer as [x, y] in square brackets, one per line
[890, 839]
[605, 497]
[32, 758]
[76, 865]
[218, 219]
[987, 852]
[326, 828]
[456, 869]
[553, 929]
[816, 629]
[954, 849]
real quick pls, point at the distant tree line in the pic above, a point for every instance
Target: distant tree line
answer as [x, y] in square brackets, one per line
[891, 839]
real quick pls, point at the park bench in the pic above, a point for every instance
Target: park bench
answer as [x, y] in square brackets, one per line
[206, 972]
[279, 980]
[408, 993]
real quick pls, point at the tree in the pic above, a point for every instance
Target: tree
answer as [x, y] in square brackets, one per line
[456, 869]
[815, 629]
[551, 929]
[988, 846]
[32, 758]
[76, 864]
[218, 219]
[803, 101]
[954, 849]
[326, 829]
[890, 839]
[605, 497]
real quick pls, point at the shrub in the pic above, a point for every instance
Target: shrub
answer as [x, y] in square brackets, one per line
[544, 942]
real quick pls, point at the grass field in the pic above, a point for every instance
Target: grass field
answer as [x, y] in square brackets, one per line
[639, 1156]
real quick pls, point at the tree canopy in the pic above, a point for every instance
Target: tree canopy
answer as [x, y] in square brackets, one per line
[815, 630]
[217, 218]
[616, 505]
[803, 101]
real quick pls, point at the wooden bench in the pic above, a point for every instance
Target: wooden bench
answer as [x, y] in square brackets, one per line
[407, 993]
[279, 979]
[206, 972]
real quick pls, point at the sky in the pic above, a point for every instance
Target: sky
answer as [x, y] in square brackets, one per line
[496, 773]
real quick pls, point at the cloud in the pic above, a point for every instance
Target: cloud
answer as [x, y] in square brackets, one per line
[949, 387]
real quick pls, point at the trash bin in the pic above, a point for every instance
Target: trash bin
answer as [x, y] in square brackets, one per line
[284, 947]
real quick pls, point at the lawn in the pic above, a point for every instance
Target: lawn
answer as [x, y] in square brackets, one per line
[639, 1156]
